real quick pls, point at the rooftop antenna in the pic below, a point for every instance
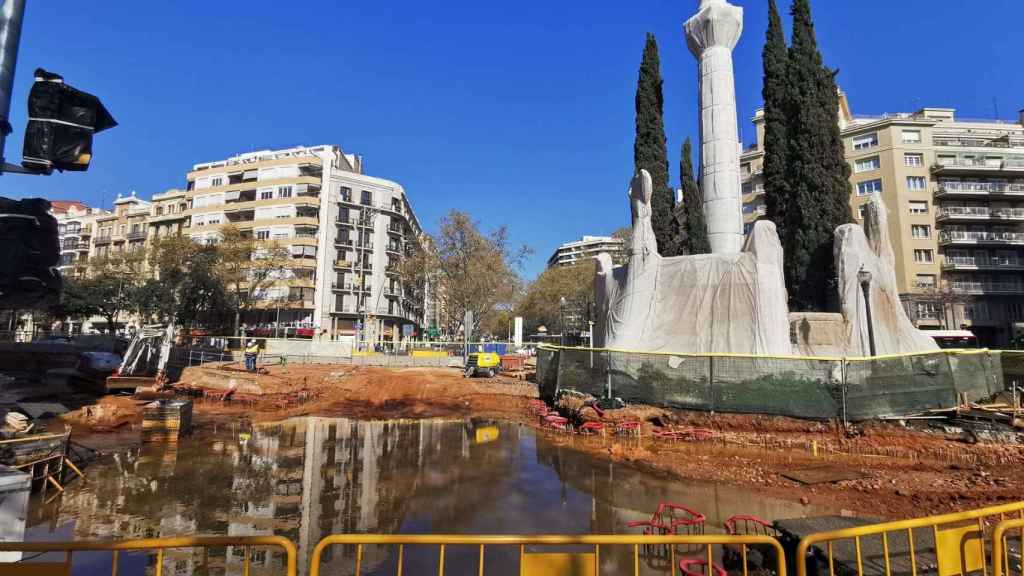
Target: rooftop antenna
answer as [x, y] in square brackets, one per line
[995, 106]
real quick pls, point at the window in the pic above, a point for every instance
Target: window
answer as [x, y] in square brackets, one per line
[366, 198]
[120, 230]
[263, 234]
[976, 311]
[346, 194]
[861, 210]
[921, 231]
[869, 187]
[913, 159]
[918, 207]
[917, 183]
[266, 194]
[217, 181]
[911, 136]
[866, 141]
[284, 192]
[866, 164]
[923, 256]
[927, 311]
[924, 280]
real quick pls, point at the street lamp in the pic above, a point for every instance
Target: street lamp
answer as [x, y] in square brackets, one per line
[561, 319]
[864, 276]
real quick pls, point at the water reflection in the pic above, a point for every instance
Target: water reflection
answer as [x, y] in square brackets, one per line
[309, 477]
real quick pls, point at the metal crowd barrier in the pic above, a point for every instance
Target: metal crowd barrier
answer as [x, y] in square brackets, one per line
[951, 543]
[1001, 551]
[557, 563]
[158, 544]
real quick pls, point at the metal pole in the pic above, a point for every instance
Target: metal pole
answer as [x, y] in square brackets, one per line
[865, 286]
[11, 15]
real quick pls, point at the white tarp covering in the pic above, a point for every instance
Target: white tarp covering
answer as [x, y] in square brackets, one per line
[869, 248]
[704, 303]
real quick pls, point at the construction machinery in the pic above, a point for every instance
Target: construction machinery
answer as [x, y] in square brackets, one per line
[483, 364]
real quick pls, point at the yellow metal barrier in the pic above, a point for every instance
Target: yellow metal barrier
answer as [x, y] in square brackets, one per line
[561, 563]
[116, 547]
[956, 545]
[1000, 551]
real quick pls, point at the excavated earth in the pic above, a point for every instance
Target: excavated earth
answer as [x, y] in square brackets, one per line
[891, 470]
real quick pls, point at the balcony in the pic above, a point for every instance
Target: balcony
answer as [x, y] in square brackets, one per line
[102, 239]
[982, 263]
[394, 249]
[341, 242]
[978, 213]
[977, 165]
[350, 265]
[976, 189]
[138, 235]
[956, 237]
[393, 229]
[349, 287]
[964, 287]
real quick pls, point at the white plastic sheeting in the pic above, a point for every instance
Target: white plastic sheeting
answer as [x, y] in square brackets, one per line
[869, 248]
[704, 303]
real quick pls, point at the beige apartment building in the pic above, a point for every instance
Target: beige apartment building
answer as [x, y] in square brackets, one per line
[76, 225]
[954, 190]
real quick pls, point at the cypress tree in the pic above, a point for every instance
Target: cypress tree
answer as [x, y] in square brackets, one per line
[649, 150]
[775, 59]
[818, 175]
[695, 231]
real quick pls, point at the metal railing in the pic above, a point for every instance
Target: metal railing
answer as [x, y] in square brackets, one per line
[981, 212]
[160, 545]
[970, 187]
[981, 262]
[534, 562]
[980, 236]
[1000, 550]
[987, 287]
[956, 544]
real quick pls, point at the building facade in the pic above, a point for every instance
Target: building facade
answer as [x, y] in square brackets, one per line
[344, 233]
[953, 189]
[75, 227]
[586, 247]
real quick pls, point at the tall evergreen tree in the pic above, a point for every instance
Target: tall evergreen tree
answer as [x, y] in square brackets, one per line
[694, 227]
[818, 175]
[775, 59]
[649, 147]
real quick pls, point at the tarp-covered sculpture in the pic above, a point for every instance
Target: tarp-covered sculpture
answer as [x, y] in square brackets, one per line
[704, 303]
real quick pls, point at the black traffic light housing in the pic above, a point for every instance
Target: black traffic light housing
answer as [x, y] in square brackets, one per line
[61, 122]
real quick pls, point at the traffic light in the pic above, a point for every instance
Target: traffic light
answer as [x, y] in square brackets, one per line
[61, 122]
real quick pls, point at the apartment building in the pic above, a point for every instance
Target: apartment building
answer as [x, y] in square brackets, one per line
[586, 247]
[949, 186]
[124, 230]
[343, 232]
[168, 216]
[75, 227]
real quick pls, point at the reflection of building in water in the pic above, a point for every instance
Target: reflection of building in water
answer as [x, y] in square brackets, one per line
[302, 479]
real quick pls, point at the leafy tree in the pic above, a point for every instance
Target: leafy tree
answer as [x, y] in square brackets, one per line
[541, 305]
[649, 150]
[186, 285]
[818, 175]
[694, 230]
[465, 269]
[775, 59]
[247, 268]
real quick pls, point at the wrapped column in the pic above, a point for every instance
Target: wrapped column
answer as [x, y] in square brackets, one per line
[711, 35]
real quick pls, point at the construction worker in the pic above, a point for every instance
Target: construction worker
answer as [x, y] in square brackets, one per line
[251, 351]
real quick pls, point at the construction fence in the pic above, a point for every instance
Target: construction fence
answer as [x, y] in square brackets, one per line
[408, 353]
[820, 388]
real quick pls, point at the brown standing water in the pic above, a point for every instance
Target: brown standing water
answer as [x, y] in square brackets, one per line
[305, 478]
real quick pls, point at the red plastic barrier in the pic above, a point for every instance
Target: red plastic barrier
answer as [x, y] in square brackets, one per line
[698, 566]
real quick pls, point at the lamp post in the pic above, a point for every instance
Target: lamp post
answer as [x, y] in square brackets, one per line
[561, 320]
[864, 276]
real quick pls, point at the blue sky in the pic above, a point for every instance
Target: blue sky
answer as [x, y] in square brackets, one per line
[520, 113]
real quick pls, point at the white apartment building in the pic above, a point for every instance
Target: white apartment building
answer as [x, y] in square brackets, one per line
[343, 230]
[587, 247]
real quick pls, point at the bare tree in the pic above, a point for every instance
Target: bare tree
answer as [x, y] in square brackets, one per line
[946, 301]
[248, 267]
[465, 270]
